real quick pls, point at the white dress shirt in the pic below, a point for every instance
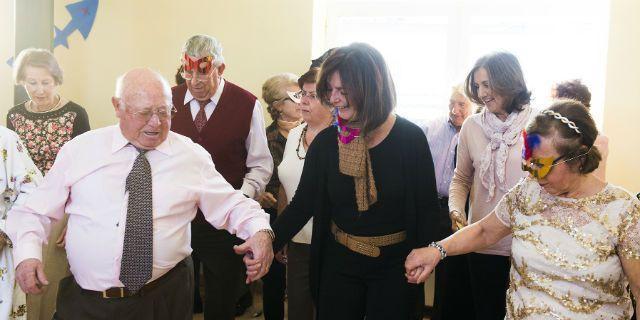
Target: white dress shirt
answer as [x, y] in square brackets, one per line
[289, 173]
[259, 161]
[87, 181]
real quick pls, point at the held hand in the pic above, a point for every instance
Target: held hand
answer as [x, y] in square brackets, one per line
[267, 200]
[30, 276]
[258, 255]
[458, 220]
[60, 242]
[420, 263]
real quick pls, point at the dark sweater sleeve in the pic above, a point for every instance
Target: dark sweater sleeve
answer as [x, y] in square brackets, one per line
[81, 123]
[301, 207]
[428, 214]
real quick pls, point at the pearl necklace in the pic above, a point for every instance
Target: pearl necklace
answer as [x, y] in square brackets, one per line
[35, 110]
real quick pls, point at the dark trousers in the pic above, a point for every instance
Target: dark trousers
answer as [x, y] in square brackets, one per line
[452, 298]
[489, 283]
[354, 286]
[170, 299]
[273, 287]
[300, 302]
[223, 270]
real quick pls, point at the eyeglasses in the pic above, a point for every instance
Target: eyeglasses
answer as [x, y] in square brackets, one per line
[539, 168]
[201, 77]
[301, 94]
[163, 114]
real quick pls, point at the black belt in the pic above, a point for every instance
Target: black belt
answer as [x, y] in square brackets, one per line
[122, 292]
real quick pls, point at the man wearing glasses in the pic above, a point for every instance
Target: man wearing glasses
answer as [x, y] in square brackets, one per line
[131, 191]
[227, 121]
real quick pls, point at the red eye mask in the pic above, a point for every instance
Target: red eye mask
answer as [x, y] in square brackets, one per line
[202, 65]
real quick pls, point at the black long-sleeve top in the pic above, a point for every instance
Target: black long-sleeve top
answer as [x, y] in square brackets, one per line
[407, 196]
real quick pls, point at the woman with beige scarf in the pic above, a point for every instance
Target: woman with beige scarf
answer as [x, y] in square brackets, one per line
[368, 182]
[487, 166]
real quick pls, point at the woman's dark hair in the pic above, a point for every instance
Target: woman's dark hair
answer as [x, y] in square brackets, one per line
[366, 80]
[308, 77]
[567, 141]
[505, 79]
[574, 89]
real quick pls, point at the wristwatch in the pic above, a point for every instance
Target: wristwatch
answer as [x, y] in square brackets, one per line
[272, 235]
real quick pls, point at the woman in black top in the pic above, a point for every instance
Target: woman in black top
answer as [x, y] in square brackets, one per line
[368, 183]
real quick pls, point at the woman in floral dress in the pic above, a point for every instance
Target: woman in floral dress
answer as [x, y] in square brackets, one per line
[18, 176]
[45, 123]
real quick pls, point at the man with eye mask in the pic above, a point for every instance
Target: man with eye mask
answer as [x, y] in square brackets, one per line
[227, 121]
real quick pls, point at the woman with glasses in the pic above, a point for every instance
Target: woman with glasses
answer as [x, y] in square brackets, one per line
[576, 239]
[487, 166]
[317, 116]
[45, 123]
[278, 92]
[368, 182]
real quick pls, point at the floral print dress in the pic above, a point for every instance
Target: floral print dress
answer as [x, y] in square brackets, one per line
[45, 133]
[18, 176]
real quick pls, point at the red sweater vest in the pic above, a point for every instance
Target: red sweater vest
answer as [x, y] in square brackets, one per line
[226, 131]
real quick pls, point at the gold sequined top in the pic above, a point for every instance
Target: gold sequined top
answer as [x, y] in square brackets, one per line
[566, 252]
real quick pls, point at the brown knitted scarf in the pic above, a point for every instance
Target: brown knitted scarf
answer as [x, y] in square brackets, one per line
[355, 161]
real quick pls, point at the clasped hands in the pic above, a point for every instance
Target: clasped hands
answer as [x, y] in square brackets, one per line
[258, 255]
[420, 263]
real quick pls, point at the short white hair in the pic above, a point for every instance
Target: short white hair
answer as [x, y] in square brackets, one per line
[202, 45]
[166, 89]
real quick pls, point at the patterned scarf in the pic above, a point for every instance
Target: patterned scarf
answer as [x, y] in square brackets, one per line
[355, 161]
[502, 135]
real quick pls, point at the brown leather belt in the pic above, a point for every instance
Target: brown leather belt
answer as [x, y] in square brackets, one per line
[368, 246]
[121, 292]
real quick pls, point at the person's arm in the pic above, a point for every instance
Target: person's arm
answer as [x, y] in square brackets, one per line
[628, 249]
[282, 200]
[81, 123]
[462, 179]
[259, 161]
[301, 207]
[631, 268]
[226, 208]
[428, 207]
[482, 234]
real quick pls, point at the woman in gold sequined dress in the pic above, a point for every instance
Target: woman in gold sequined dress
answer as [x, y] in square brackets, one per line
[576, 239]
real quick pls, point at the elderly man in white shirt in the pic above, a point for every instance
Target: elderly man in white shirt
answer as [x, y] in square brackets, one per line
[131, 191]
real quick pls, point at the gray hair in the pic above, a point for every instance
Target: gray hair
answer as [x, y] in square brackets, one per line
[166, 88]
[201, 45]
[37, 58]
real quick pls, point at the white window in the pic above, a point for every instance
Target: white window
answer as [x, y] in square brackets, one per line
[430, 45]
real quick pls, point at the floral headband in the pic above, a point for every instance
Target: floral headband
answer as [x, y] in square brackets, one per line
[563, 119]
